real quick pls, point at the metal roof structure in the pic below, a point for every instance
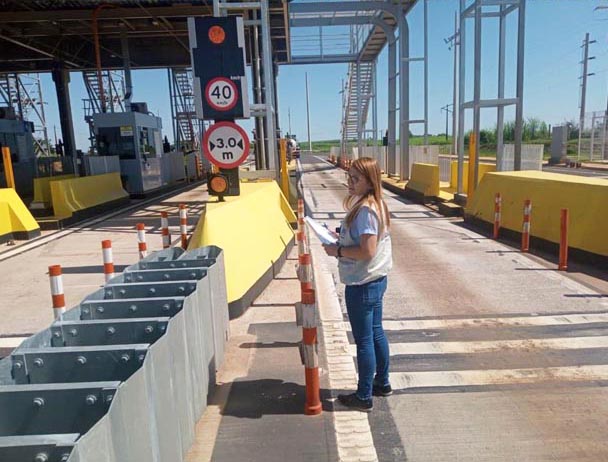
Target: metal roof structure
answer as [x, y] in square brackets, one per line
[36, 33]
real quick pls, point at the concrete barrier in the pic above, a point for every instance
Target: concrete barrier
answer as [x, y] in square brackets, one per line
[78, 197]
[42, 190]
[585, 198]
[255, 232]
[16, 221]
[424, 181]
[483, 169]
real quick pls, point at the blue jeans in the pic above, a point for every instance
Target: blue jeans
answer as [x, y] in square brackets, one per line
[364, 307]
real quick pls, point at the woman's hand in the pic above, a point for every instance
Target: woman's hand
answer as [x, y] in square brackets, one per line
[331, 250]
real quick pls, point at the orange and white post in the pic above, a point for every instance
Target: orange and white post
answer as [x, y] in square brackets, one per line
[108, 260]
[183, 225]
[525, 235]
[301, 240]
[497, 214]
[563, 241]
[164, 229]
[311, 357]
[57, 291]
[305, 272]
[300, 208]
[141, 241]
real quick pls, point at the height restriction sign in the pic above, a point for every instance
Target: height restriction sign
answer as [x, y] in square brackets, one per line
[226, 145]
[221, 94]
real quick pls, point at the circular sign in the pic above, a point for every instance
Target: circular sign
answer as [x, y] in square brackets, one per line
[226, 145]
[221, 94]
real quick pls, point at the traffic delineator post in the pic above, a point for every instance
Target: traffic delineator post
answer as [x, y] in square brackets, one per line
[497, 214]
[311, 358]
[56, 280]
[301, 240]
[525, 234]
[183, 225]
[108, 259]
[305, 272]
[164, 229]
[300, 208]
[141, 240]
[563, 241]
[301, 225]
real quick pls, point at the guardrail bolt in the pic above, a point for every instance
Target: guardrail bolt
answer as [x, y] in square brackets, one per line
[81, 360]
[166, 307]
[110, 331]
[133, 308]
[38, 402]
[125, 358]
[90, 399]
[57, 334]
[100, 309]
[73, 332]
[17, 365]
[41, 457]
[38, 362]
[149, 329]
[152, 291]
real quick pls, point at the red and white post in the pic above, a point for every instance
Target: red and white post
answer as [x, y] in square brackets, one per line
[108, 259]
[301, 240]
[57, 291]
[300, 208]
[311, 357]
[141, 241]
[563, 241]
[183, 225]
[497, 214]
[305, 272]
[164, 229]
[525, 235]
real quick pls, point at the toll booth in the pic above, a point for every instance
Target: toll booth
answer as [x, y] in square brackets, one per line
[18, 136]
[136, 138]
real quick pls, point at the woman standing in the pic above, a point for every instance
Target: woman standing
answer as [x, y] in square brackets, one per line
[364, 259]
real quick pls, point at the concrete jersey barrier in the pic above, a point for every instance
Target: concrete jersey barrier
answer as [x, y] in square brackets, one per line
[424, 180]
[16, 221]
[585, 198]
[74, 195]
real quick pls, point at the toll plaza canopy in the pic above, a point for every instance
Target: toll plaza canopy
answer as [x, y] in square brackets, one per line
[36, 35]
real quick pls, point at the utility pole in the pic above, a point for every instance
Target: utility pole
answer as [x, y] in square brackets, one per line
[453, 44]
[289, 119]
[308, 115]
[447, 110]
[583, 77]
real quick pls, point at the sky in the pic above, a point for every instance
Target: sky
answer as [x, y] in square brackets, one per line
[555, 30]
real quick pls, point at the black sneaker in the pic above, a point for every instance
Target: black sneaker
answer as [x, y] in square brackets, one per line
[352, 401]
[377, 390]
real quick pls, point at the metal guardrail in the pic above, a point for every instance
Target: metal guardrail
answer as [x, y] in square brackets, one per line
[125, 375]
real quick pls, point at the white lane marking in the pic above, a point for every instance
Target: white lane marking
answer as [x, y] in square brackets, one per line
[432, 348]
[11, 342]
[516, 321]
[409, 380]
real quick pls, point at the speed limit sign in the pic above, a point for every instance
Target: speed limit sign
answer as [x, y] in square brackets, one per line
[221, 94]
[226, 145]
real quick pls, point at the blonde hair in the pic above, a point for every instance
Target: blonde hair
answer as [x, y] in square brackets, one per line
[368, 169]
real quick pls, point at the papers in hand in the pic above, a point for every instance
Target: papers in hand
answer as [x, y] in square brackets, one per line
[321, 231]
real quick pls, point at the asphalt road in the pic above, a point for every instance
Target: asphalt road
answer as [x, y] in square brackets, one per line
[495, 356]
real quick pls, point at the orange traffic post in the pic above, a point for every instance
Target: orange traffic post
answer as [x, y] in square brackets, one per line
[300, 208]
[164, 229]
[301, 240]
[141, 241]
[525, 235]
[8, 167]
[56, 280]
[563, 241]
[108, 259]
[183, 225]
[497, 214]
[311, 357]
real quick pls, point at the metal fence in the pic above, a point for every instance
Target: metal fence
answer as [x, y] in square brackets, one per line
[125, 375]
[99, 165]
[592, 144]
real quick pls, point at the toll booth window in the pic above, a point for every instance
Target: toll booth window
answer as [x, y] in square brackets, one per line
[110, 142]
[146, 142]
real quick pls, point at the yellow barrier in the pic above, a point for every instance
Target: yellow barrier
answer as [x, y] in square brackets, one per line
[254, 231]
[16, 221]
[585, 198]
[77, 194]
[42, 188]
[424, 179]
[483, 169]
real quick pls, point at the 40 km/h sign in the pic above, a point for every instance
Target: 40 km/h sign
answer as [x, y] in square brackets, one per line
[221, 94]
[226, 145]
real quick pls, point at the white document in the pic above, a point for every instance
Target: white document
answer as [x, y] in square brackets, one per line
[324, 235]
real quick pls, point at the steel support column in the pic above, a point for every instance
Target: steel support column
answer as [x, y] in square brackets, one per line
[392, 109]
[501, 89]
[519, 108]
[476, 96]
[461, 89]
[269, 89]
[404, 97]
[61, 77]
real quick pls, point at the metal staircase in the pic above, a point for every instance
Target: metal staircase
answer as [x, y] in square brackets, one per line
[24, 94]
[186, 124]
[359, 92]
